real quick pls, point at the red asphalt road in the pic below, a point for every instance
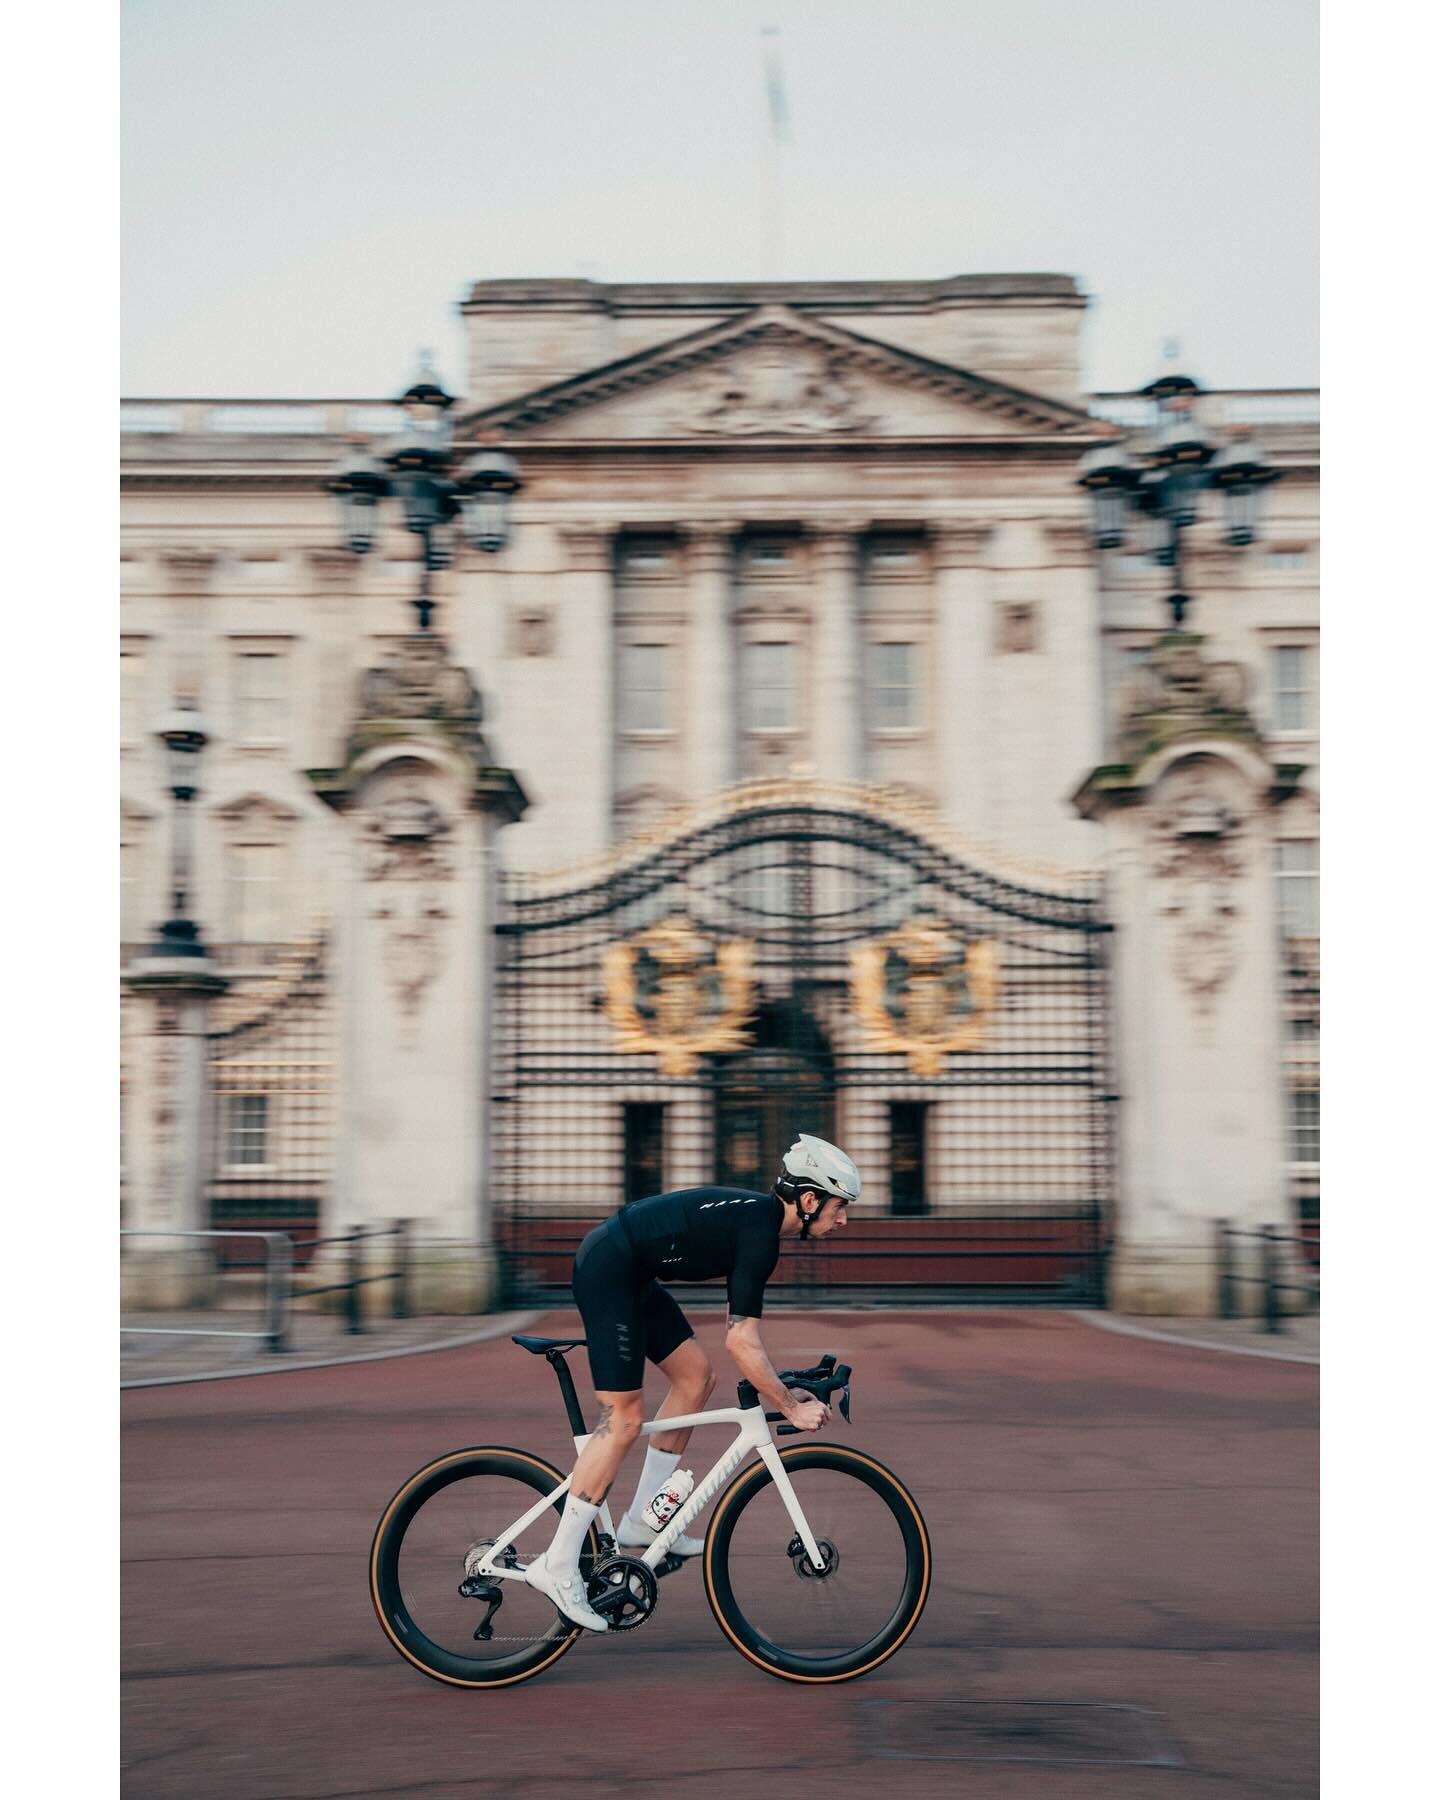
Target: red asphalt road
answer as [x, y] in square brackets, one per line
[1116, 1522]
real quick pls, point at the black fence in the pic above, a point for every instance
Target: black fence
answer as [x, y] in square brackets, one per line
[1276, 1261]
[236, 1254]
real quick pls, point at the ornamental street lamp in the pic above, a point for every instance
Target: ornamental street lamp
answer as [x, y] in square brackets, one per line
[184, 737]
[1165, 480]
[415, 468]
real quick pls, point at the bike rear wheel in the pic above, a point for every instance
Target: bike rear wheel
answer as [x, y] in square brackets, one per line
[837, 1623]
[418, 1559]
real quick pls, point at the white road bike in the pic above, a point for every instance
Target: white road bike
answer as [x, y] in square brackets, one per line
[816, 1560]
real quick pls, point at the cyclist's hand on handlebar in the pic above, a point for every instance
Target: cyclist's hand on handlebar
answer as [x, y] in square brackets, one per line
[805, 1412]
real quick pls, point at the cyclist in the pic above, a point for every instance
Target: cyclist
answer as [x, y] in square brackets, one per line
[629, 1317]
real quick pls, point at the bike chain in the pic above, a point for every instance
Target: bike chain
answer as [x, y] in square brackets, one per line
[500, 1637]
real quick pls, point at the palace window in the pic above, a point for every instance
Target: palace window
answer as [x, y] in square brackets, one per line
[645, 557]
[769, 555]
[1297, 867]
[645, 687]
[252, 893]
[260, 696]
[768, 682]
[1304, 1125]
[247, 1131]
[644, 1150]
[1292, 686]
[907, 1158]
[894, 695]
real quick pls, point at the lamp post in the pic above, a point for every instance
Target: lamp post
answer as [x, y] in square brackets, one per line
[416, 467]
[184, 737]
[1164, 480]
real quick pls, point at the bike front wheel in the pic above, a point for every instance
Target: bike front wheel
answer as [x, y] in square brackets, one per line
[425, 1544]
[844, 1618]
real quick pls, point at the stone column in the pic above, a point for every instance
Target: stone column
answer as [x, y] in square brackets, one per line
[1187, 803]
[712, 726]
[167, 1135]
[335, 594]
[421, 799]
[1069, 638]
[189, 570]
[579, 790]
[962, 655]
[837, 699]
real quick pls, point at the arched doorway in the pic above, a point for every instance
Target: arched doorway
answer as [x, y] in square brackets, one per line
[766, 1096]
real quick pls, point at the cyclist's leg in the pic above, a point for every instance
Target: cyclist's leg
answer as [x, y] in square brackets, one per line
[609, 1293]
[670, 1344]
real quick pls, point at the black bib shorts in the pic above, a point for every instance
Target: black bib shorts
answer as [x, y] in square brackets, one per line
[628, 1315]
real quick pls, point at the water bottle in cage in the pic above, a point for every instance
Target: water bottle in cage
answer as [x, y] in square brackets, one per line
[663, 1506]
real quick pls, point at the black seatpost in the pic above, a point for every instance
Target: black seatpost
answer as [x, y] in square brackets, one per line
[556, 1360]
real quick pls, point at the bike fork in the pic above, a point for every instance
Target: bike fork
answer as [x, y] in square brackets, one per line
[772, 1460]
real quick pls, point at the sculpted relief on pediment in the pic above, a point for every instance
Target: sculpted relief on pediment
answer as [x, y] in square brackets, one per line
[783, 384]
[772, 390]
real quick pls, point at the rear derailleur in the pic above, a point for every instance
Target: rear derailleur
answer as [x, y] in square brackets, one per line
[476, 1587]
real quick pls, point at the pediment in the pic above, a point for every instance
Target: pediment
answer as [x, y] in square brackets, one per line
[776, 374]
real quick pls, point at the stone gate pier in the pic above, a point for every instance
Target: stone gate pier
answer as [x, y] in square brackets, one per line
[1188, 802]
[422, 801]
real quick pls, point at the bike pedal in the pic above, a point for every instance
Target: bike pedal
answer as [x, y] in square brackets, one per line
[670, 1562]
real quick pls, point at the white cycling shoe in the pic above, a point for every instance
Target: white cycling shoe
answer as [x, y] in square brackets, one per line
[565, 1588]
[635, 1534]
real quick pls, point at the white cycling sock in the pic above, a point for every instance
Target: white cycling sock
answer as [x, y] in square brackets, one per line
[575, 1521]
[660, 1465]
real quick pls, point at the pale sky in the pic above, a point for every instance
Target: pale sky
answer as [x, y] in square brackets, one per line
[309, 186]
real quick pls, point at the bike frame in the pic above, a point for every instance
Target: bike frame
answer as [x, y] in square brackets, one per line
[752, 1433]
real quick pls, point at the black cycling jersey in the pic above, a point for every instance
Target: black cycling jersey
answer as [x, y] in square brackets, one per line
[700, 1232]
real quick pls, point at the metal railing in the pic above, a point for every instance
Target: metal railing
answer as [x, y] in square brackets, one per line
[398, 1273]
[279, 1260]
[1271, 1273]
[280, 1286]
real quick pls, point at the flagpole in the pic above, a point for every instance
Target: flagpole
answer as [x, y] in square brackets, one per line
[778, 107]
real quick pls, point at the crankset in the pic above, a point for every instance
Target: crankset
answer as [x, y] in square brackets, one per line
[623, 1591]
[802, 1564]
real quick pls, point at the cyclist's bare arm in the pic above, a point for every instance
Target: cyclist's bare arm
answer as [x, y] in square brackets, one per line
[742, 1340]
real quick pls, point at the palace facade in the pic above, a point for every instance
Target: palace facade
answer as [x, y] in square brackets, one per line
[820, 542]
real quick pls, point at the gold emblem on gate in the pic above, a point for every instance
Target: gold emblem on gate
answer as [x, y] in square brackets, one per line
[924, 992]
[676, 994]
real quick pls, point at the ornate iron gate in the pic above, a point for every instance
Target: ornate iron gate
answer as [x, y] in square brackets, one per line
[797, 958]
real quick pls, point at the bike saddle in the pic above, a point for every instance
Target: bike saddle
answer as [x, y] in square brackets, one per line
[537, 1346]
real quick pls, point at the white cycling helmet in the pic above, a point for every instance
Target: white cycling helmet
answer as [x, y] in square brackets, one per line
[812, 1163]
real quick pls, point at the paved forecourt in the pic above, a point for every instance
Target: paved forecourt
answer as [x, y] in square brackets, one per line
[1125, 1599]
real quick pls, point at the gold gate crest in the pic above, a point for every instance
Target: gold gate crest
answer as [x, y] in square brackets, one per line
[925, 992]
[673, 992]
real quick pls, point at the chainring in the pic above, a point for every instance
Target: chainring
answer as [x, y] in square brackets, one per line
[623, 1590]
